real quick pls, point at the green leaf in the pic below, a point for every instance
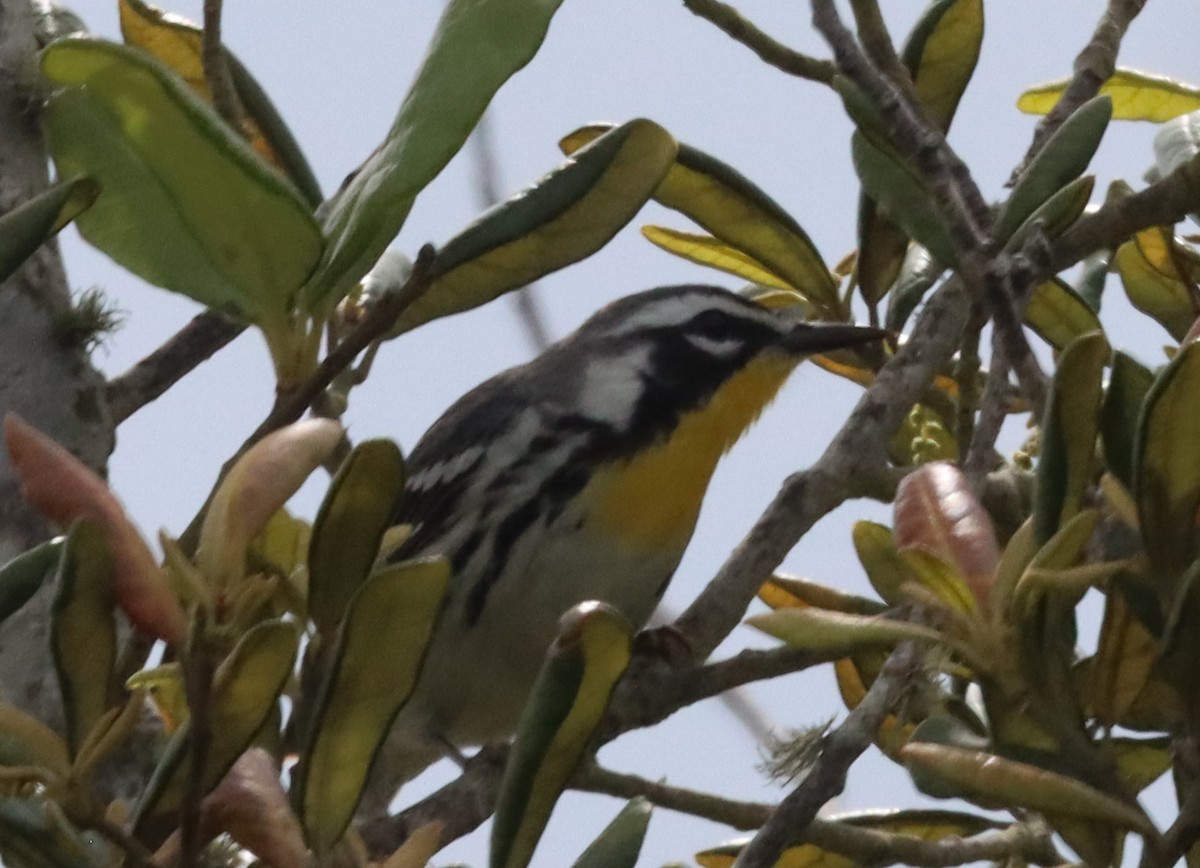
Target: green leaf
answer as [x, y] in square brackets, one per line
[83, 629]
[918, 273]
[1069, 434]
[26, 227]
[21, 577]
[783, 592]
[730, 206]
[886, 570]
[187, 205]
[26, 741]
[1142, 761]
[1056, 214]
[568, 699]
[620, 843]
[992, 780]
[346, 533]
[1149, 269]
[491, 38]
[901, 193]
[1127, 389]
[1063, 158]
[373, 671]
[707, 250]
[569, 214]
[824, 630]
[1167, 466]
[1136, 96]
[177, 42]
[245, 693]
[1058, 315]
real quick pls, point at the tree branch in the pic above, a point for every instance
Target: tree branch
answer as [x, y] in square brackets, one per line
[147, 380]
[1093, 66]
[827, 778]
[774, 53]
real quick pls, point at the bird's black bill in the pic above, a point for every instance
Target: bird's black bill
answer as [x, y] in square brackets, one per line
[823, 337]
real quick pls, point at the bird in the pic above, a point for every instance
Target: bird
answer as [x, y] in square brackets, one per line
[577, 476]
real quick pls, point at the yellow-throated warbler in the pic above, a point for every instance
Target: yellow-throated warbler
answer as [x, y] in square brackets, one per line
[578, 476]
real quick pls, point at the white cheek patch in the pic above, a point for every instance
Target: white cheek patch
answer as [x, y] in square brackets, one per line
[612, 385]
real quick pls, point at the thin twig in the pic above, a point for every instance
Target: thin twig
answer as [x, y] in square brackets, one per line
[770, 51]
[877, 42]
[216, 70]
[152, 376]
[740, 815]
[487, 182]
[993, 410]
[827, 778]
[1093, 66]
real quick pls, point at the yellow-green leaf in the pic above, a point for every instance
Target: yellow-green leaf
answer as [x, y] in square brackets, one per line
[186, 204]
[941, 52]
[176, 42]
[992, 780]
[877, 553]
[1136, 96]
[620, 843]
[569, 214]
[1069, 432]
[784, 592]
[732, 208]
[1058, 314]
[1142, 761]
[83, 629]
[373, 671]
[823, 630]
[348, 528]
[1167, 468]
[26, 741]
[245, 692]
[1152, 281]
[706, 250]
[569, 698]
[1125, 658]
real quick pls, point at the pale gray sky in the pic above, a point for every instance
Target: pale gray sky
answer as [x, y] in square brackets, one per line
[337, 72]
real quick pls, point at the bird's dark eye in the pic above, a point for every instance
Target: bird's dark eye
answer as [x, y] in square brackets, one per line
[714, 324]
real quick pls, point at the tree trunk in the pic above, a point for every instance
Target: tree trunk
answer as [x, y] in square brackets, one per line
[50, 383]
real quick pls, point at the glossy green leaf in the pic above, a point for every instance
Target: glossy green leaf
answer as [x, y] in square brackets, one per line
[245, 693]
[898, 189]
[1058, 315]
[707, 250]
[1149, 271]
[27, 226]
[177, 42]
[1127, 389]
[346, 533]
[1136, 96]
[784, 592]
[187, 205]
[373, 671]
[924, 824]
[990, 779]
[823, 630]
[1069, 432]
[34, 833]
[569, 214]
[619, 845]
[877, 553]
[1063, 158]
[21, 577]
[731, 207]
[83, 629]
[1056, 214]
[26, 741]
[568, 699]
[918, 273]
[940, 53]
[1167, 465]
[491, 38]
[1093, 276]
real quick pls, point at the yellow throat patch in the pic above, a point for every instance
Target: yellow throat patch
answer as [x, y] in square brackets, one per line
[652, 500]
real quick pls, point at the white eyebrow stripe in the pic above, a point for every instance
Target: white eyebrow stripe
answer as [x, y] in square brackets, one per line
[677, 311]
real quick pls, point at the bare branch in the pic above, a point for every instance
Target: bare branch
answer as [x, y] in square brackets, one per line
[152, 376]
[841, 748]
[733, 24]
[739, 815]
[1093, 66]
